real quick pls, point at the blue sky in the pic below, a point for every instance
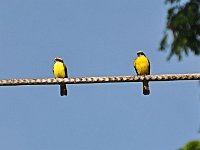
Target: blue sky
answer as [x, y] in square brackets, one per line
[95, 38]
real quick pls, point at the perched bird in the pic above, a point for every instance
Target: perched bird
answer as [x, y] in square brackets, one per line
[142, 67]
[60, 71]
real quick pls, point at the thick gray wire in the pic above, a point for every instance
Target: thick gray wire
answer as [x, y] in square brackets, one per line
[110, 79]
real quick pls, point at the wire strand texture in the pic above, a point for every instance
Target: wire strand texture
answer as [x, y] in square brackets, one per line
[109, 79]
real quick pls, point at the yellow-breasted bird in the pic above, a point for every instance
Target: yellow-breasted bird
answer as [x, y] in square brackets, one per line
[60, 71]
[142, 67]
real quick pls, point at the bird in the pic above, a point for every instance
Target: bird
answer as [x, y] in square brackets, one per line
[60, 71]
[142, 67]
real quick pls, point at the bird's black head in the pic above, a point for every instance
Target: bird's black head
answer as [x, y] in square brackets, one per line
[139, 53]
[58, 59]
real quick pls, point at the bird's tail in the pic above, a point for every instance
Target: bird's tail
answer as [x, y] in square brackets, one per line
[146, 90]
[63, 89]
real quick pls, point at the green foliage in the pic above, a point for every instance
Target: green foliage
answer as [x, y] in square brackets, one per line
[172, 1]
[184, 24]
[192, 145]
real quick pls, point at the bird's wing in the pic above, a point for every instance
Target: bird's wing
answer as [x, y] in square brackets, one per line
[135, 66]
[53, 69]
[66, 74]
[149, 65]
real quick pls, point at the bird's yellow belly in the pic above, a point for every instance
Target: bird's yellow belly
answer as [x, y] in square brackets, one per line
[142, 65]
[143, 69]
[59, 70]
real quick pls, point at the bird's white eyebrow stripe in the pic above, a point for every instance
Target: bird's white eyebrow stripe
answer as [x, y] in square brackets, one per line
[58, 59]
